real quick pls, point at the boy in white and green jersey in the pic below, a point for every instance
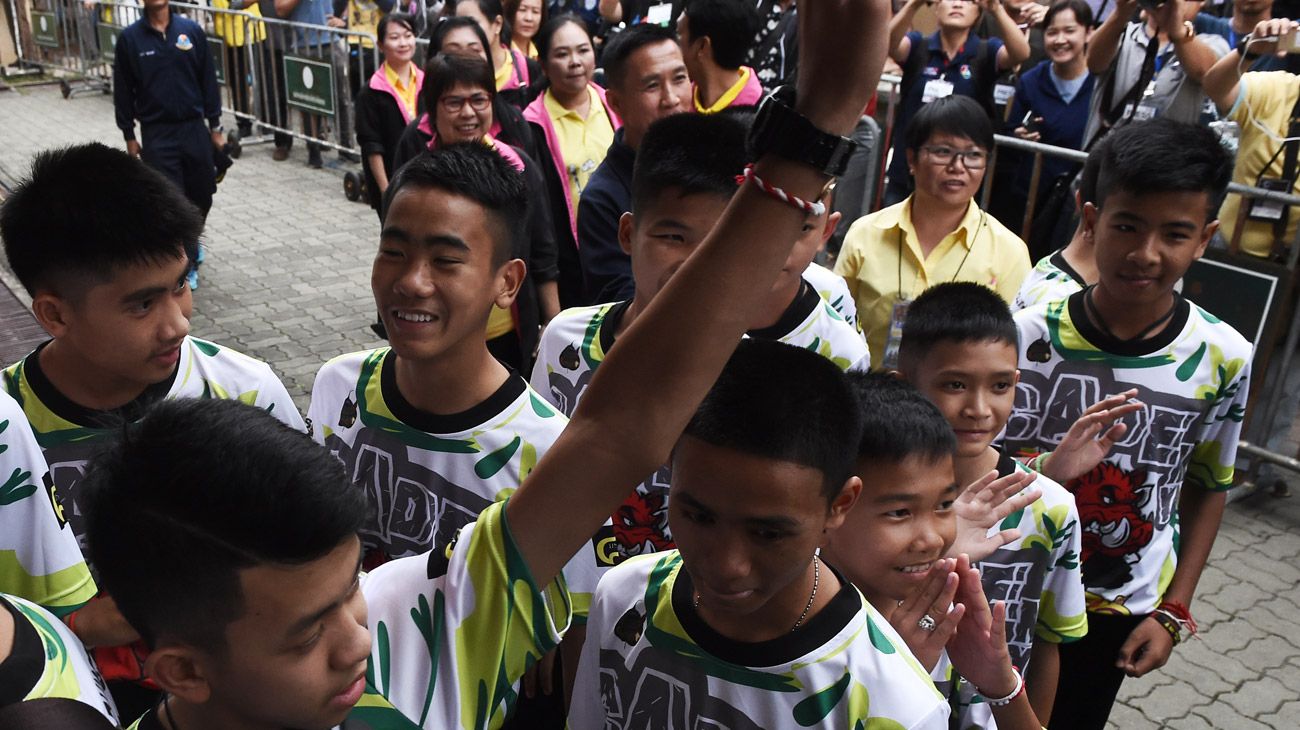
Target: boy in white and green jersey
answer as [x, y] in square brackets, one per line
[1150, 511]
[832, 286]
[103, 244]
[959, 349]
[1064, 272]
[40, 658]
[743, 622]
[39, 556]
[425, 475]
[679, 194]
[259, 618]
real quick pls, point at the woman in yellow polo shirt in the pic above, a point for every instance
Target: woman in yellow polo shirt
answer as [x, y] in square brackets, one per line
[518, 76]
[526, 17]
[573, 127]
[388, 102]
[937, 234]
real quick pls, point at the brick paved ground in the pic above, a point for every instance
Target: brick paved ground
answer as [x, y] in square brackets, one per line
[287, 281]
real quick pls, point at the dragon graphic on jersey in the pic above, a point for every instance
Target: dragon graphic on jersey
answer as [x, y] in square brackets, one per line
[641, 523]
[1110, 502]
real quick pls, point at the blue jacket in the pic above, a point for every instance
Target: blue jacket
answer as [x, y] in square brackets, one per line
[606, 269]
[164, 78]
[1063, 124]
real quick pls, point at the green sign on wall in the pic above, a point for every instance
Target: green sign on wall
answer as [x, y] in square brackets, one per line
[309, 84]
[217, 49]
[108, 34]
[45, 29]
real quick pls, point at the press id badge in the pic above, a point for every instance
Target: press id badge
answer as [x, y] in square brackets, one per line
[1003, 93]
[896, 319]
[935, 89]
[659, 14]
[1269, 211]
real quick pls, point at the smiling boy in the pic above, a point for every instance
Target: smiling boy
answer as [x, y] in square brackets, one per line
[959, 349]
[1149, 513]
[433, 428]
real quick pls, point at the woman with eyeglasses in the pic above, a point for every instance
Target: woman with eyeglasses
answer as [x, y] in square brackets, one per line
[517, 76]
[572, 127]
[463, 37]
[388, 103]
[937, 234]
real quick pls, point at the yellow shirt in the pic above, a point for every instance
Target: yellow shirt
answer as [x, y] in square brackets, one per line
[406, 92]
[505, 70]
[529, 52]
[727, 97]
[583, 142]
[1266, 97]
[230, 28]
[981, 250]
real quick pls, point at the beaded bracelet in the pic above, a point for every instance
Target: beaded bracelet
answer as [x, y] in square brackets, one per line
[813, 209]
[1016, 692]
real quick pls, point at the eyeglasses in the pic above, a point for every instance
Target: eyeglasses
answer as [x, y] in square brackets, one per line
[454, 104]
[971, 159]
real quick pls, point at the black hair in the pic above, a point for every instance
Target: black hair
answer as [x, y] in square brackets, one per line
[445, 71]
[88, 210]
[546, 33]
[196, 491]
[477, 172]
[618, 53]
[490, 9]
[405, 20]
[730, 26]
[692, 154]
[956, 312]
[785, 403]
[898, 421]
[960, 116]
[1164, 156]
[1082, 12]
[446, 25]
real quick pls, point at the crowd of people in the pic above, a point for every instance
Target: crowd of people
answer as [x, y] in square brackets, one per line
[630, 457]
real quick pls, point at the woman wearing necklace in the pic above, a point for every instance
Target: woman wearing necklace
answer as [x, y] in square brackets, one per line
[517, 75]
[388, 103]
[573, 127]
[936, 234]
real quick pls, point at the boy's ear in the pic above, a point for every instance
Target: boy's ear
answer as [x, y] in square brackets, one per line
[179, 670]
[626, 222]
[898, 375]
[1015, 379]
[1090, 216]
[1207, 233]
[53, 312]
[509, 278]
[832, 221]
[843, 502]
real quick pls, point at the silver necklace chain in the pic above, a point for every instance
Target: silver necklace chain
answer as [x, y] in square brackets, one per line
[807, 607]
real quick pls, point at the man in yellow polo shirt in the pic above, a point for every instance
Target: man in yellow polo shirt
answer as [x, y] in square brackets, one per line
[937, 234]
[715, 36]
[1258, 101]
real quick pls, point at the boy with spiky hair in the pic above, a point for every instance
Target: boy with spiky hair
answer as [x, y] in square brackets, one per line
[959, 349]
[744, 621]
[432, 428]
[103, 244]
[1149, 513]
[454, 628]
[683, 180]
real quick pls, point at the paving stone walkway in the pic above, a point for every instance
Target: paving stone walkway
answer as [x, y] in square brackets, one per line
[287, 280]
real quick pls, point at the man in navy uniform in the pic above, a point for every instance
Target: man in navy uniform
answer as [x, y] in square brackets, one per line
[163, 75]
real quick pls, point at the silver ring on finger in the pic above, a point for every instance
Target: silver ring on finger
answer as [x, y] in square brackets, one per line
[926, 623]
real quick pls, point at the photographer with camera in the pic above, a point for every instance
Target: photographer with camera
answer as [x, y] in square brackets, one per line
[1148, 68]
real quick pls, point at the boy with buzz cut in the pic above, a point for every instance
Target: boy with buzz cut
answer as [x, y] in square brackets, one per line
[743, 624]
[1150, 511]
[103, 244]
[684, 177]
[432, 428]
[278, 637]
[959, 349]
